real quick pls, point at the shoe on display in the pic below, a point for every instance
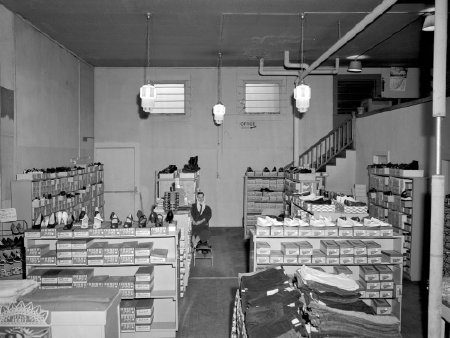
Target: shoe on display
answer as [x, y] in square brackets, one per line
[263, 222]
[69, 222]
[97, 220]
[115, 222]
[85, 222]
[45, 221]
[128, 221]
[142, 219]
[266, 170]
[316, 222]
[37, 222]
[249, 170]
[52, 221]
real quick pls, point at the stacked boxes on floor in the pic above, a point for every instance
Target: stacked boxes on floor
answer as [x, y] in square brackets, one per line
[136, 315]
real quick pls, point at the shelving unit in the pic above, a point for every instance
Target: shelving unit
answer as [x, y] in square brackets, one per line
[165, 291]
[391, 292]
[261, 192]
[188, 182]
[14, 270]
[409, 218]
[84, 185]
[297, 183]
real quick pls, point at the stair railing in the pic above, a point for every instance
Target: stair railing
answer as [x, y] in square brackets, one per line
[329, 146]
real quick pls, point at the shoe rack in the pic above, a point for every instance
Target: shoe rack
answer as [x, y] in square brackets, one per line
[262, 191]
[298, 183]
[189, 182]
[268, 251]
[409, 216]
[68, 191]
[12, 252]
[114, 258]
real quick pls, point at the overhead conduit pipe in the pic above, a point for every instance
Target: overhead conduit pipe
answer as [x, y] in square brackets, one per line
[300, 66]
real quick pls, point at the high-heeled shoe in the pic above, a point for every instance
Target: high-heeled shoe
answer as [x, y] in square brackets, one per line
[69, 222]
[59, 215]
[37, 222]
[16, 257]
[8, 258]
[45, 221]
[115, 222]
[128, 221]
[97, 220]
[82, 214]
[65, 217]
[142, 219]
[85, 221]
[52, 221]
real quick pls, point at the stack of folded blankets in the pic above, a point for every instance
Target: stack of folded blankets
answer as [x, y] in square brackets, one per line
[335, 310]
[271, 305]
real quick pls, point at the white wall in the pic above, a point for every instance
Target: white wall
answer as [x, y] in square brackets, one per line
[224, 152]
[406, 133]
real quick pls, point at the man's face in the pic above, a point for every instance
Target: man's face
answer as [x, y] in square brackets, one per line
[200, 198]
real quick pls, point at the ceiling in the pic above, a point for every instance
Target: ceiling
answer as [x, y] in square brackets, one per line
[190, 33]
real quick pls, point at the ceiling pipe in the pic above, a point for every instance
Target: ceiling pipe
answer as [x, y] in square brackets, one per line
[322, 71]
[288, 64]
[359, 27]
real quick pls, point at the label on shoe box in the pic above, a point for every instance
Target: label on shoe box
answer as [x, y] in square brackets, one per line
[386, 273]
[112, 249]
[317, 232]
[142, 232]
[64, 261]
[110, 232]
[127, 317]
[48, 233]
[386, 293]
[64, 254]
[82, 275]
[360, 259]
[95, 261]
[80, 244]
[276, 257]
[142, 328]
[127, 232]
[387, 285]
[372, 294]
[50, 277]
[142, 294]
[318, 257]
[386, 232]
[369, 273]
[290, 259]
[332, 260]
[79, 285]
[291, 231]
[79, 253]
[345, 248]
[96, 232]
[49, 258]
[304, 232]
[381, 307]
[128, 327]
[346, 259]
[373, 248]
[97, 281]
[128, 307]
[329, 247]
[64, 234]
[263, 248]
[276, 231]
[79, 260]
[304, 259]
[127, 248]
[37, 250]
[345, 232]
[372, 232]
[373, 259]
[306, 248]
[144, 260]
[80, 233]
[32, 234]
[111, 259]
[126, 259]
[262, 259]
[96, 249]
[144, 320]
[372, 285]
[359, 247]
[143, 286]
[127, 293]
[289, 248]
[126, 282]
[64, 245]
[392, 256]
[359, 232]
[331, 231]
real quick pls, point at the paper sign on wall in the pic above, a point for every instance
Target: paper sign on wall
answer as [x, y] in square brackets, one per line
[8, 215]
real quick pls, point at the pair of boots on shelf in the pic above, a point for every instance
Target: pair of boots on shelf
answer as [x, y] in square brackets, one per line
[192, 166]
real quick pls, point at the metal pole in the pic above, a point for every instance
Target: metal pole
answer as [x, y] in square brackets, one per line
[438, 180]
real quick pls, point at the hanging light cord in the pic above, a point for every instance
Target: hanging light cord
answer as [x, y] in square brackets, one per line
[147, 65]
[389, 36]
[302, 58]
[219, 78]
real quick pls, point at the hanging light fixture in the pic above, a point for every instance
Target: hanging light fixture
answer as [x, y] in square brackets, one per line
[354, 66]
[219, 108]
[428, 23]
[302, 92]
[148, 91]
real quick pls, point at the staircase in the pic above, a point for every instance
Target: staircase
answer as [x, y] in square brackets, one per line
[328, 148]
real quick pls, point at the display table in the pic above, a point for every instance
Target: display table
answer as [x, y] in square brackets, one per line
[80, 312]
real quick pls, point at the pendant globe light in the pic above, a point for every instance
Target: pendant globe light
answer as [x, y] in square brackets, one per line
[219, 108]
[148, 91]
[302, 92]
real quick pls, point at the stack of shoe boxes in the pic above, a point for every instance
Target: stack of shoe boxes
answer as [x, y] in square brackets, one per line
[144, 279]
[144, 315]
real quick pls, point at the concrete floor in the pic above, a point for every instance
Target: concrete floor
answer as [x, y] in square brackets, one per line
[206, 309]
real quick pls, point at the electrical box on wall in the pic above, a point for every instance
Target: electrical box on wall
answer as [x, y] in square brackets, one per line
[400, 82]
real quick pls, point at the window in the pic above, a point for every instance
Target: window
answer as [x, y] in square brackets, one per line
[170, 98]
[262, 98]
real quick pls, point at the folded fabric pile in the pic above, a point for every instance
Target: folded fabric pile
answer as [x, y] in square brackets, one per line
[272, 307]
[334, 308]
[11, 290]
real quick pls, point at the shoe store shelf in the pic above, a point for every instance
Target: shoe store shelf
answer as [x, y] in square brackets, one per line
[190, 186]
[383, 279]
[32, 198]
[262, 195]
[156, 257]
[12, 252]
[408, 214]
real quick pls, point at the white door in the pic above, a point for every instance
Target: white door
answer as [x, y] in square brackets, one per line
[120, 183]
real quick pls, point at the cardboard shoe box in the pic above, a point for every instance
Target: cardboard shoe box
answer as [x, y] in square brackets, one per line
[369, 273]
[381, 307]
[290, 249]
[262, 248]
[329, 247]
[318, 257]
[386, 273]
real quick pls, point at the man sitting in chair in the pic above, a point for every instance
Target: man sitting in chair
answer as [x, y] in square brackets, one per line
[200, 214]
